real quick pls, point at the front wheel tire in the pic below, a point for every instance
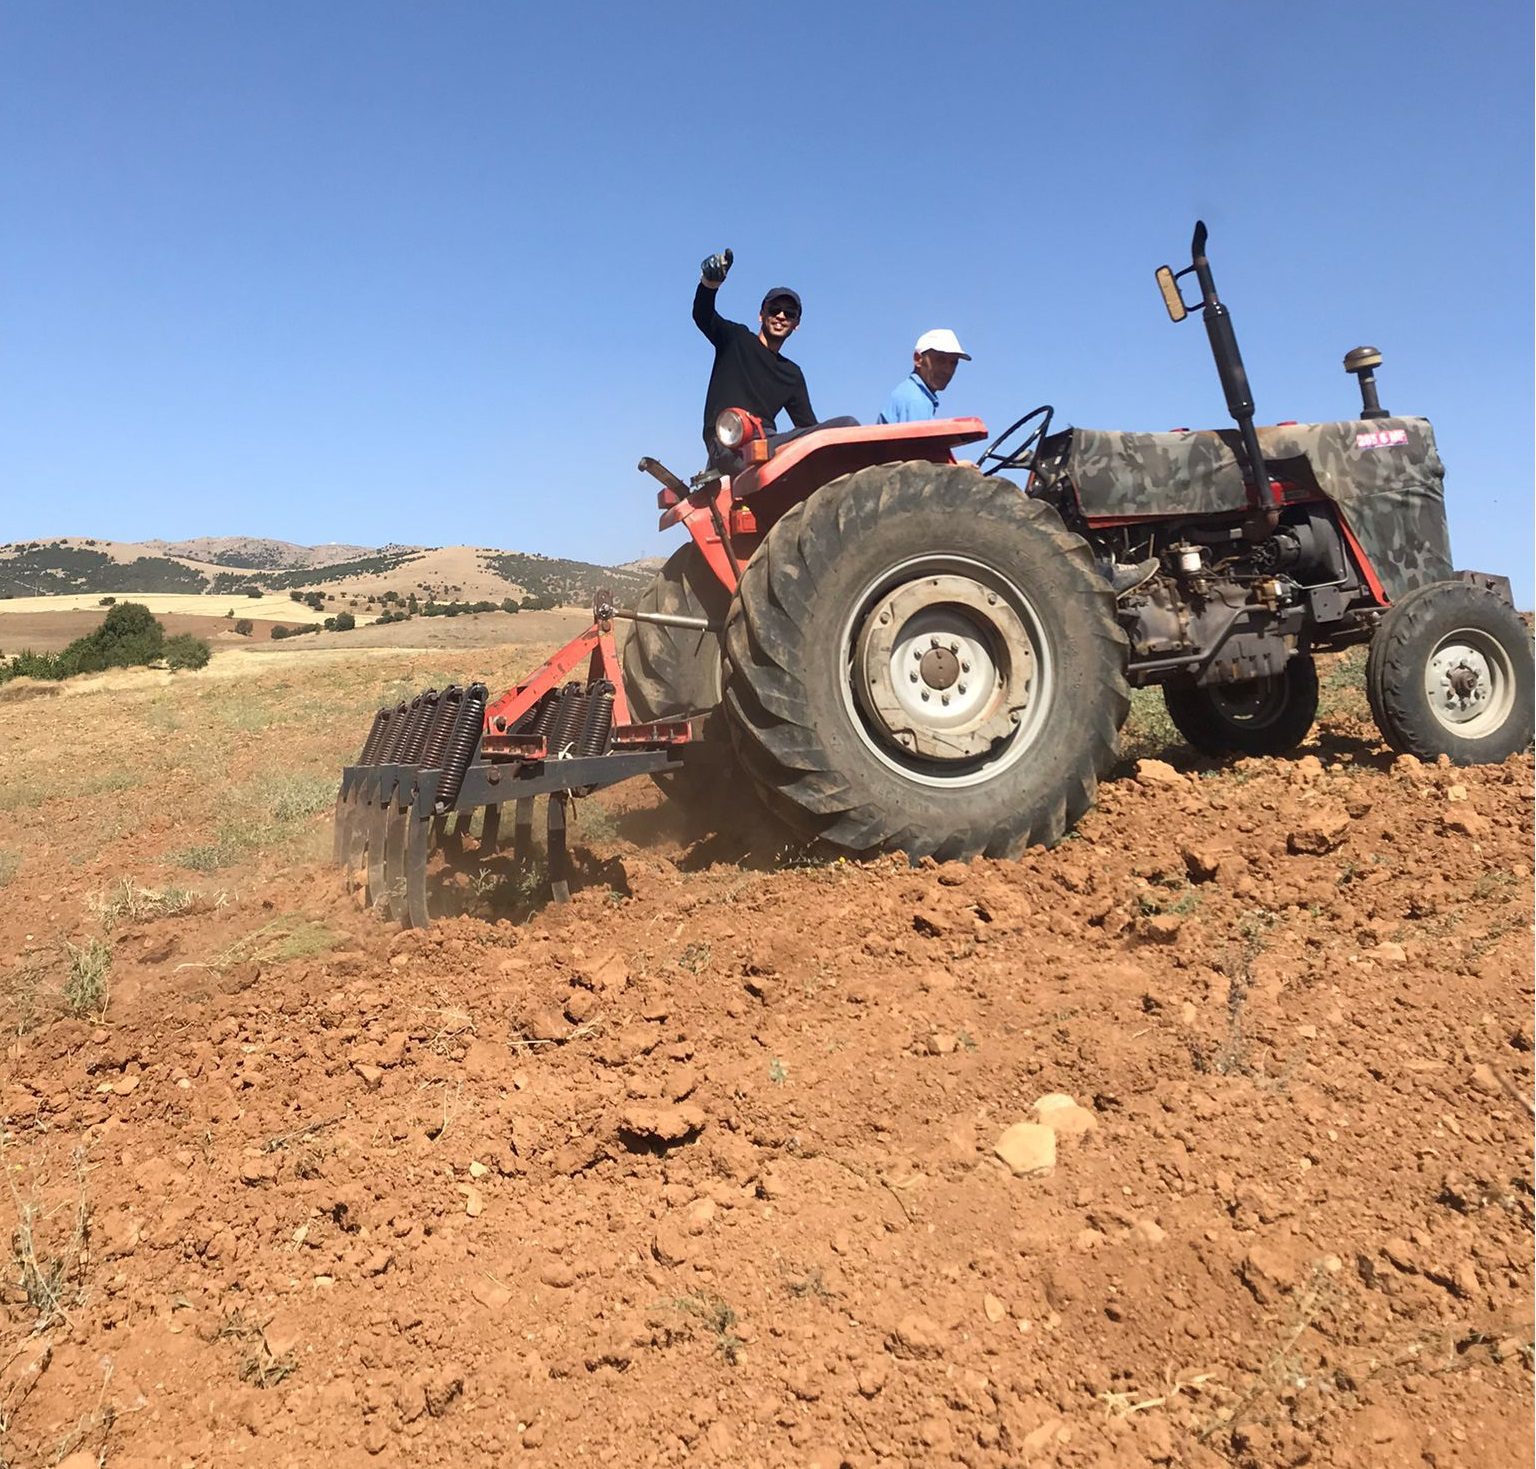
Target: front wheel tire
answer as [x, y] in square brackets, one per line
[1450, 673]
[1257, 716]
[920, 659]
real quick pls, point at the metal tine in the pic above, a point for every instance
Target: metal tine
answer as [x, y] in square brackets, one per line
[378, 819]
[522, 831]
[490, 830]
[418, 847]
[397, 829]
[357, 819]
[559, 863]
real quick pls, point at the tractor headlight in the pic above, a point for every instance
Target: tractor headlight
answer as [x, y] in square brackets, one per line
[733, 427]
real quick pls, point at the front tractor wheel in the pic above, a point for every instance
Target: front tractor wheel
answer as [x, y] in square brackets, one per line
[1257, 716]
[1450, 673]
[921, 659]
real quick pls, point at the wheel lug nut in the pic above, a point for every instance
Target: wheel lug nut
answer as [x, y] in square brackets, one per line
[913, 677]
[964, 667]
[944, 699]
[961, 688]
[925, 696]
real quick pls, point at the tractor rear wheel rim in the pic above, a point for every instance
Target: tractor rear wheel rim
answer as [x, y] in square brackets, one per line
[947, 675]
[1469, 683]
[1254, 703]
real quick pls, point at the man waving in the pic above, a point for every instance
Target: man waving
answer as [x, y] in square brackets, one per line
[750, 370]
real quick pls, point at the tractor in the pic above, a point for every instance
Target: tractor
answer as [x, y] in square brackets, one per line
[904, 651]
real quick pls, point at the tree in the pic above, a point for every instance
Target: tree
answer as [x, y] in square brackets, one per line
[344, 621]
[254, 591]
[279, 631]
[185, 651]
[411, 605]
[296, 595]
[509, 604]
[245, 627]
[107, 602]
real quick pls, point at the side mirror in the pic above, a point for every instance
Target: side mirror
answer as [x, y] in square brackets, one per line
[1168, 284]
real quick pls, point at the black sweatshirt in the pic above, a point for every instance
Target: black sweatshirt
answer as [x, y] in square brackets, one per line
[746, 374]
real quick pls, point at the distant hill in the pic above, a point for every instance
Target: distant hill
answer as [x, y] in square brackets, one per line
[255, 553]
[224, 566]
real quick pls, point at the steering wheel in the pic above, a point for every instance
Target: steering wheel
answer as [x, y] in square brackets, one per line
[1022, 456]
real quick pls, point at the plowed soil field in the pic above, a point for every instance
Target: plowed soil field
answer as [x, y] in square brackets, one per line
[1202, 1139]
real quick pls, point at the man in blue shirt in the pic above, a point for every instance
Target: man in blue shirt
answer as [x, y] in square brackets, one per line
[934, 360]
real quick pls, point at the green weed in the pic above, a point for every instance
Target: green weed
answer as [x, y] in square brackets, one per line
[85, 979]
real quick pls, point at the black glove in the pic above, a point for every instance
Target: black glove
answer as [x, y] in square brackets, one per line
[717, 267]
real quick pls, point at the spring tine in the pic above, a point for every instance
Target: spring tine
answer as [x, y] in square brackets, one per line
[522, 831]
[339, 826]
[490, 830]
[392, 904]
[357, 821]
[418, 847]
[378, 820]
[559, 863]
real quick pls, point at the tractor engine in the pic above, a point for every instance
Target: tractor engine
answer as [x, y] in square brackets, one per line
[1225, 608]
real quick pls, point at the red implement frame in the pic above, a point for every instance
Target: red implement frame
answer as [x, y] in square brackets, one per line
[596, 645]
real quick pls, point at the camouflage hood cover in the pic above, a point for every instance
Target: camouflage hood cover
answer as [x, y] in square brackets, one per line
[1384, 474]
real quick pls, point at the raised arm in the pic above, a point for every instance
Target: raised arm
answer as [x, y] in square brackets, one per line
[712, 275]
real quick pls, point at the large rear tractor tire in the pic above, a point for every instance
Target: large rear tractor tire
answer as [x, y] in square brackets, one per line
[674, 672]
[1259, 716]
[920, 659]
[1450, 673]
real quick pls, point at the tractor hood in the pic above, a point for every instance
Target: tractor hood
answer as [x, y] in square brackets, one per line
[1384, 474]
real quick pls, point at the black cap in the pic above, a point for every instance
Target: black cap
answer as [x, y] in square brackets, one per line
[779, 293]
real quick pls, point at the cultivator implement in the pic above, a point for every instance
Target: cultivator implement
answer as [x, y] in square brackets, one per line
[431, 763]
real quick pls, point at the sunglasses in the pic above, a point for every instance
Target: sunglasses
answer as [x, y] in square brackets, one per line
[784, 309]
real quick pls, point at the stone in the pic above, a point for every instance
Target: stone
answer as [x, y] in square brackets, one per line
[671, 1244]
[580, 1005]
[1307, 769]
[1159, 928]
[1202, 863]
[993, 1308]
[474, 1203]
[557, 1275]
[1269, 1274]
[546, 1025]
[1057, 1111]
[392, 1051]
[1322, 831]
[917, 1338]
[1410, 766]
[1464, 821]
[259, 1170]
[1157, 773]
[1028, 1148]
[372, 1076]
[490, 1295]
[663, 1124]
[1148, 1233]
[872, 1378]
[1388, 952]
[608, 975]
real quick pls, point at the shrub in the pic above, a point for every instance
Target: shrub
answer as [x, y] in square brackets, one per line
[296, 596]
[245, 627]
[186, 651]
[280, 632]
[343, 621]
[254, 592]
[107, 602]
[509, 604]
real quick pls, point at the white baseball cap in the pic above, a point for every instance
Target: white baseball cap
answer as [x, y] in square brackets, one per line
[942, 340]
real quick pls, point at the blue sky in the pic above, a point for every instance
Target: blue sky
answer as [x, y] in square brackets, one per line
[382, 271]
